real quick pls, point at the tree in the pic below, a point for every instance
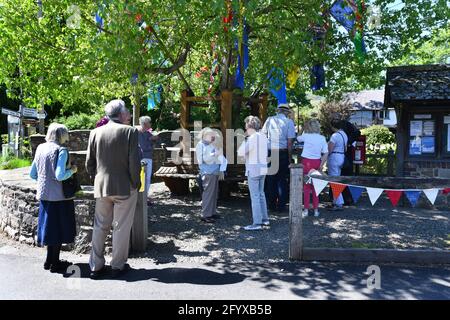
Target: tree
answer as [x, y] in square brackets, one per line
[64, 55]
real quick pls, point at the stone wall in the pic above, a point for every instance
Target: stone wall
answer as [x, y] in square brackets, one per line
[77, 145]
[19, 211]
[427, 168]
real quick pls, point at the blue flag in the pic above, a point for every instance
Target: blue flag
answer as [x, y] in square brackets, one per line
[318, 75]
[99, 20]
[242, 66]
[413, 197]
[154, 97]
[278, 85]
[355, 192]
[344, 14]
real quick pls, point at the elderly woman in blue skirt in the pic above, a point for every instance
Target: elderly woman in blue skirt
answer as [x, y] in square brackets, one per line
[56, 223]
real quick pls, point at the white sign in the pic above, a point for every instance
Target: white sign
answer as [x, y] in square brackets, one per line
[41, 116]
[446, 119]
[415, 128]
[10, 112]
[422, 116]
[30, 113]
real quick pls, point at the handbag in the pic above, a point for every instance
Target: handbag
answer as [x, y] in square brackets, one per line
[71, 185]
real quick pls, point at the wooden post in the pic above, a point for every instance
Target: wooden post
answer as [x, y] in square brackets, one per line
[185, 110]
[295, 212]
[226, 110]
[139, 230]
[263, 108]
[390, 163]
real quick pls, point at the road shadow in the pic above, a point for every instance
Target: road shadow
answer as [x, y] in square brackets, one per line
[197, 276]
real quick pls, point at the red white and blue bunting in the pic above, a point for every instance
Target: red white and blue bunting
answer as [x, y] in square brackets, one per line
[374, 194]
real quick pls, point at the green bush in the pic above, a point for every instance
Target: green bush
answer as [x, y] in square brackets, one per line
[11, 162]
[79, 121]
[378, 134]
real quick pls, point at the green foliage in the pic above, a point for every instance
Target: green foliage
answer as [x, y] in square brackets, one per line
[79, 121]
[10, 162]
[378, 134]
[330, 107]
[4, 138]
[46, 60]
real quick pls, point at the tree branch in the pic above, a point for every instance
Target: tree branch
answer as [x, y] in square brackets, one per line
[181, 61]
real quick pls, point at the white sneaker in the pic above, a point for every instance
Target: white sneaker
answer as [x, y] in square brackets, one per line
[253, 227]
[316, 213]
[305, 213]
[266, 223]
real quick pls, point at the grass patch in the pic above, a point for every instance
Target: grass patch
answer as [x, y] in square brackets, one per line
[9, 163]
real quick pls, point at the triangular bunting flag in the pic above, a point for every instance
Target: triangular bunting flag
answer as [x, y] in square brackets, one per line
[355, 192]
[337, 189]
[413, 196]
[374, 194]
[431, 194]
[319, 185]
[446, 190]
[394, 196]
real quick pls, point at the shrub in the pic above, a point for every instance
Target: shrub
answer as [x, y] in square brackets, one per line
[11, 162]
[79, 121]
[378, 134]
[328, 109]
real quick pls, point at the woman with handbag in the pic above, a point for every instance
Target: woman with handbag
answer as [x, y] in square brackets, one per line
[337, 147]
[56, 222]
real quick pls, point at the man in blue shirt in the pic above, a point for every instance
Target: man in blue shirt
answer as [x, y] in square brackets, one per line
[280, 131]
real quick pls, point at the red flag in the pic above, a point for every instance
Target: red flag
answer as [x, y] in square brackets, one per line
[446, 190]
[337, 189]
[394, 196]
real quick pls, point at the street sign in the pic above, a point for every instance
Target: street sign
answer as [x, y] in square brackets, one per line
[41, 116]
[29, 112]
[10, 112]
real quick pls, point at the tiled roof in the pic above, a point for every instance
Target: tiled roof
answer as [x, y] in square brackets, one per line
[366, 99]
[417, 83]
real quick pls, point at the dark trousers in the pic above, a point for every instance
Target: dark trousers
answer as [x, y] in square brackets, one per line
[277, 187]
[53, 254]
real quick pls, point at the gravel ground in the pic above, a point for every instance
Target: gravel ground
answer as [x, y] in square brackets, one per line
[177, 235]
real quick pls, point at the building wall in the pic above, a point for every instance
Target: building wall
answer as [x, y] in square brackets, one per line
[392, 120]
[427, 168]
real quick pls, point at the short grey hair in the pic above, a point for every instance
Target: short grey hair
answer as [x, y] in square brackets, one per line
[144, 119]
[114, 108]
[57, 133]
[253, 122]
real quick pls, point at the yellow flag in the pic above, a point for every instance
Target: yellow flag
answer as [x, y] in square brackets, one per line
[293, 76]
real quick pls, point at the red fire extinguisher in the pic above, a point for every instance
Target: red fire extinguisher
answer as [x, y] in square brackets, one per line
[359, 151]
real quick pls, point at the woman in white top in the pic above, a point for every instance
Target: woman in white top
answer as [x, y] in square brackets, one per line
[254, 150]
[314, 156]
[337, 148]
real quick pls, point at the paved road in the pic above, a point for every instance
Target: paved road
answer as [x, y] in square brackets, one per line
[22, 277]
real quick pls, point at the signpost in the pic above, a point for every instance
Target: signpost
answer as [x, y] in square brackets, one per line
[20, 115]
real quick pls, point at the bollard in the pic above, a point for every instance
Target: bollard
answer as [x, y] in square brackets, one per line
[139, 231]
[295, 212]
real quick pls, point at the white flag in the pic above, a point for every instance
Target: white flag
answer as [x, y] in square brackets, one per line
[431, 194]
[319, 185]
[374, 194]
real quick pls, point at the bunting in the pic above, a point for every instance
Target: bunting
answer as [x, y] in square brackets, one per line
[337, 189]
[413, 196]
[394, 196]
[278, 85]
[356, 192]
[374, 194]
[319, 185]
[431, 194]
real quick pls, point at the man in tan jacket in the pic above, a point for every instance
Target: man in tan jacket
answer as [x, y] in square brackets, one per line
[113, 158]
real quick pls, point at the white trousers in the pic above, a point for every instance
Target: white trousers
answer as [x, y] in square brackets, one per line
[335, 163]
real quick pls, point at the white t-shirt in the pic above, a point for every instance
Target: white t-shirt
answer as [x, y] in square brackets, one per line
[340, 140]
[254, 149]
[314, 145]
